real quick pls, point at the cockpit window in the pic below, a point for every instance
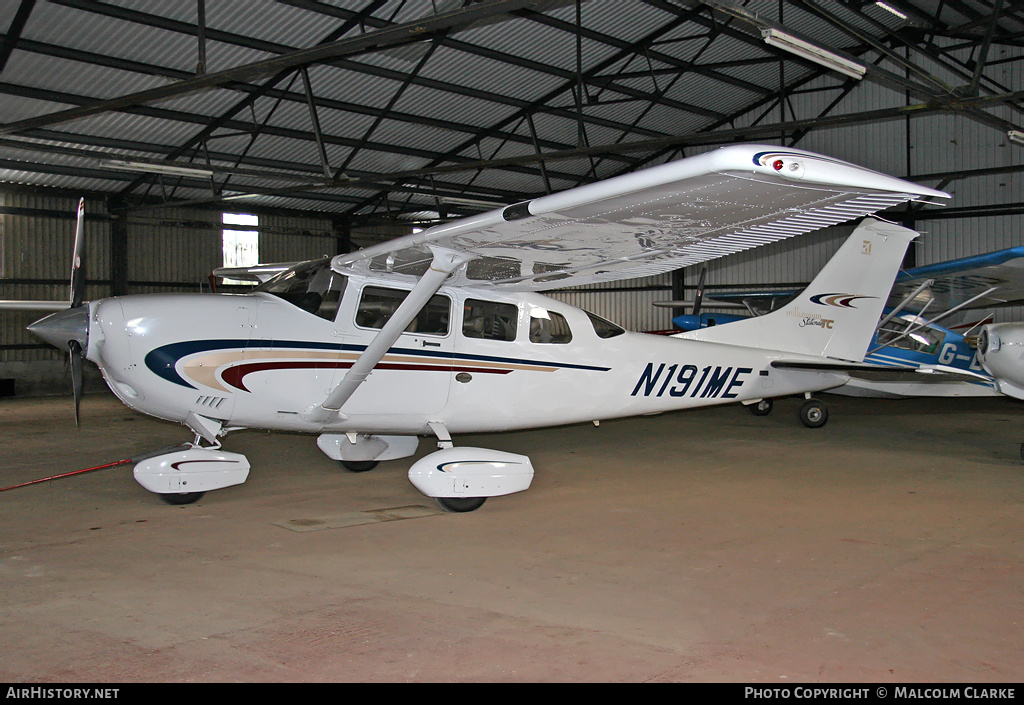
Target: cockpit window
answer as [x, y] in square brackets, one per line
[603, 328]
[549, 327]
[920, 339]
[378, 304]
[312, 286]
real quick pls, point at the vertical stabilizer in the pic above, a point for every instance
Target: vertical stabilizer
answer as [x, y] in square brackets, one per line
[836, 315]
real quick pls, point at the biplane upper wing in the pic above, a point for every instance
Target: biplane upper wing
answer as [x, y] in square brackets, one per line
[648, 222]
[982, 281]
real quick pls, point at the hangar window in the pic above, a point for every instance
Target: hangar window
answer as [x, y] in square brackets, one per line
[241, 245]
[378, 304]
[548, 327]
[489, 320]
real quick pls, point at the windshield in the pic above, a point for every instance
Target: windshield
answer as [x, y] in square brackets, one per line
[312, 286]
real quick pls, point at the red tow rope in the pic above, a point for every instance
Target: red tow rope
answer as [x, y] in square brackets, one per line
[143, 456]
[67, 474]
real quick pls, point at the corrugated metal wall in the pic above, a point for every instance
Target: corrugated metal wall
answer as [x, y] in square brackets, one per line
[630, 303]
[37, 251]
[168, 250]
[917, 149]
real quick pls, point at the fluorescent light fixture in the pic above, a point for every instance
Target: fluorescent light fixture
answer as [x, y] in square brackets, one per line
[1015, 136]
[152, 168]
[813, 53]
[890, 8]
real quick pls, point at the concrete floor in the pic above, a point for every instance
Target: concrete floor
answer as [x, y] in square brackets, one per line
[709, 545]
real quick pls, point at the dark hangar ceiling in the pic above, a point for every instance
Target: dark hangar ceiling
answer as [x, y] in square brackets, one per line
[382, 109]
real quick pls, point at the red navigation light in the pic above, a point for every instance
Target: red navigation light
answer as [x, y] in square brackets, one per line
[778, 164]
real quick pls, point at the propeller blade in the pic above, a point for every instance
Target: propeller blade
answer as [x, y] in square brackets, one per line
[77, 273]
[75, 355]
[700, 291]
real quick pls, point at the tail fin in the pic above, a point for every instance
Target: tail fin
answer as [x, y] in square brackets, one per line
[836, 315]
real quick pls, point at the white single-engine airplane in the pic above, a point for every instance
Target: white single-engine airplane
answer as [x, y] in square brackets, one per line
[442, 332]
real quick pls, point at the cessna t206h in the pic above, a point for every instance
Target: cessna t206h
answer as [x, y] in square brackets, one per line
[443, 332]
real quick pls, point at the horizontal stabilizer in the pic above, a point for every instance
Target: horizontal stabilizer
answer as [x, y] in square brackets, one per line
[867, 369]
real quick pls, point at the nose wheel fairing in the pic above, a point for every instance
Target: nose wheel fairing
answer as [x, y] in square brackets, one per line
[191, 471]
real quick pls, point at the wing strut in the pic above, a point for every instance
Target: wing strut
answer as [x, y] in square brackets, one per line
[445, 262]
[911, 328]
[906, 300]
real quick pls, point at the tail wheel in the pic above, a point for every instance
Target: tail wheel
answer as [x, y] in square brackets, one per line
[813, 414]
[761, 408]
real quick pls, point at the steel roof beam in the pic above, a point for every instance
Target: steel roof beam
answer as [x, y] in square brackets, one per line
[254, 92]
[566, 87]
[370, 41]
[156, 21]
[13, 35]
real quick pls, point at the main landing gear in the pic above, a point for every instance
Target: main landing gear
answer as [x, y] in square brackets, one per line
[456, 479]
[812, 414]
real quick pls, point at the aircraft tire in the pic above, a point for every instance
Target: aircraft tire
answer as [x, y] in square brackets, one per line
[180, 498]
[358, 465]
[761, 408]
[813, 414]
[459, 504]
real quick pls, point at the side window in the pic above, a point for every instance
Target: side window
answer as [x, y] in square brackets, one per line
[548, 327]
[489, 320]
[378, 304]
[604, 328]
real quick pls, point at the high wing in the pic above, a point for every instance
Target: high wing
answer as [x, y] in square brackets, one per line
[257, 273]
[663, 218]
[982, 281]
[755, 302]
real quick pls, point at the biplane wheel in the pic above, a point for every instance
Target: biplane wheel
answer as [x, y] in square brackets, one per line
[459, 504]
[813, 414]
[178, 498]
[359, 465]
[761, 408]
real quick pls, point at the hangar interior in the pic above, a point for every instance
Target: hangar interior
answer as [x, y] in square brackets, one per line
[331, 125]
[341, 124]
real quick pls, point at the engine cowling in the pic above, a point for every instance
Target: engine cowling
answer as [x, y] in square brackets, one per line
[1001, 353]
